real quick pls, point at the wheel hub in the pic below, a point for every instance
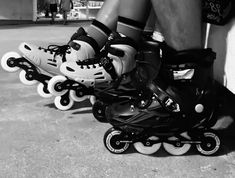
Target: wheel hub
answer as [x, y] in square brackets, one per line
[11, 62]
[147, 143]
[29, 76]
[178, 144]
[117, 142]
[58, 87]
[65, 102]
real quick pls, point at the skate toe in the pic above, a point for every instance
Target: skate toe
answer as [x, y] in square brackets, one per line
[30, 51]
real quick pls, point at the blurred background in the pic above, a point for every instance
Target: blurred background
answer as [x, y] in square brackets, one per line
[37, 10]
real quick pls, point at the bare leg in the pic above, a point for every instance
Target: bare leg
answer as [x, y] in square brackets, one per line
[108, 13]
[53, 14]
[180, 22]
[150, 24]
[65, 17]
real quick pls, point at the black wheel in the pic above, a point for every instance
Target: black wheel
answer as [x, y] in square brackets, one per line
[115, 142]
[98, 111]
[210, 144]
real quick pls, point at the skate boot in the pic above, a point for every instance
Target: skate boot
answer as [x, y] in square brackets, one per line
[131, 87]
[117, 58]
[41, 64]
[181, 112]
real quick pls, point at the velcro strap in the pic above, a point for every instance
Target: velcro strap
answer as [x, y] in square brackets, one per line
[202, 57]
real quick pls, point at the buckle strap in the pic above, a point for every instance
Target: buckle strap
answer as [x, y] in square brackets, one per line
[164, 99]
[107, 64]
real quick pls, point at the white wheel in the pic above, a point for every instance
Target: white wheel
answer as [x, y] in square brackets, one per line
[92, 99]
[6, 60]
[210, 144]
[77, 98]
[24, 79]
[63, 104]
[147, 150]
[52, 85]
[177, 150]
[41, 91]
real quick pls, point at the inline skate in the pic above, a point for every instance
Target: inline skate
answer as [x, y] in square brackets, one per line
[82, 76]
[131, 87]
[40, 64]
[105, 79]
[180, 113]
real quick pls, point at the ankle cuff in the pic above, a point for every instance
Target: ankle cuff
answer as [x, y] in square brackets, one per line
[91, 42]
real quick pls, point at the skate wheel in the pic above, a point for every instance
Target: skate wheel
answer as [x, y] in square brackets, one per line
[177, 150]
[115, 142]
[98, 111]
[6, 61]
[42, 91]
[26, 79]
[53, 85]
[77, 98]
[92, 99]
[63, 103]
[147, 150]
[210, 144]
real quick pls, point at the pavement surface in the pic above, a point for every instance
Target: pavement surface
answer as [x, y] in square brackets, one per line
[40, 141]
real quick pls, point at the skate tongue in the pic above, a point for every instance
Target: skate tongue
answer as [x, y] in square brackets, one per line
[74, 45]
[59, 50]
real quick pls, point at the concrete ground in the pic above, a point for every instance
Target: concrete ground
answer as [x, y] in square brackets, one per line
[39, 141]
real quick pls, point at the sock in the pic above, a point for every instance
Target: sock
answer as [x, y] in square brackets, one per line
[99, 32]
[130, 28]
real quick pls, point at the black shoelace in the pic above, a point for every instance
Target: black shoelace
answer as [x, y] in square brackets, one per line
[58, 50]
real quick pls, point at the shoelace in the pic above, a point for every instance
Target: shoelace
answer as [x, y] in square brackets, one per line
[58, 50]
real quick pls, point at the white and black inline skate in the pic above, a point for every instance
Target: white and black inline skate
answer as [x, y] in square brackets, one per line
[40, 64]
[180, 113]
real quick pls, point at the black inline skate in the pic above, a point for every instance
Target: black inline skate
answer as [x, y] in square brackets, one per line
[180, 113]
[131, 87]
